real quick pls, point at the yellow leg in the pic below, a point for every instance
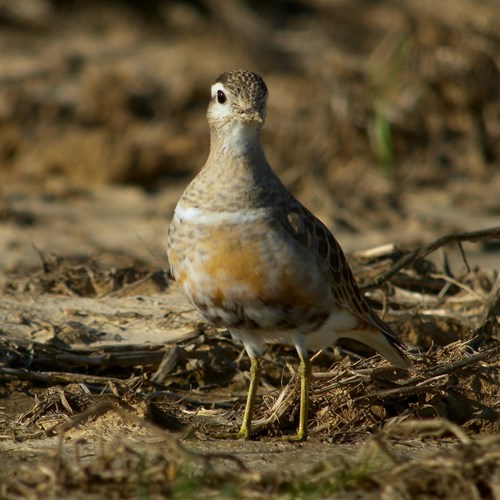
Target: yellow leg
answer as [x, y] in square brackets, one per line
[255, 372]
[246, 426]
[305, 379]
[245, 431]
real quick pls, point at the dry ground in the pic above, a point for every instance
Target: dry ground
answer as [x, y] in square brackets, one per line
[384, 119]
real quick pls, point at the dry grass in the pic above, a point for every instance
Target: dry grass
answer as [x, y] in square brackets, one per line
[383, 119]
[195, 387]
[157, 463]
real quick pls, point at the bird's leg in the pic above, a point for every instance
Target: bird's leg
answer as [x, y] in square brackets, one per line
[255, 372]
[246, 426]
[305, 381]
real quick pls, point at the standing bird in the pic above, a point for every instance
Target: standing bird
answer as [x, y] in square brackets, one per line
[252, 259]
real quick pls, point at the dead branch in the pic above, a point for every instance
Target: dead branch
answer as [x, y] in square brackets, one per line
[102, 357]
[461, 363]
[400, 391]
[435, 427]
[62, 377]
[419, 253]
[432, 381]
[176, 397]
[131, 418]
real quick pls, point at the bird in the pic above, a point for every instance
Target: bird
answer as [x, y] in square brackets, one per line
[253, 260]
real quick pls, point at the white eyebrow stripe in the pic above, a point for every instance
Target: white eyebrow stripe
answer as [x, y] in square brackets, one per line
[216, 87]
[200, 216]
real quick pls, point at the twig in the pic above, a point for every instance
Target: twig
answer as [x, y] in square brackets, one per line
[398, 391]
[106, 406]
[449, 368]
[472, 236]
[175, 397]
[457, 283]
[101, 357]
[422, 384]
[59, 377]
[435, 427]
[91, 412]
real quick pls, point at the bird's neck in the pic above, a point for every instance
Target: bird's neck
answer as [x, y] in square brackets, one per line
[234, 144]
[236, 173]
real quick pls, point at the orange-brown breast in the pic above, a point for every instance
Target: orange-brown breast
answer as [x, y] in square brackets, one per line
[237, 270]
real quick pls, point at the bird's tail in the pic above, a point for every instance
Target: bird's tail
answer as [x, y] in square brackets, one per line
[388, 345]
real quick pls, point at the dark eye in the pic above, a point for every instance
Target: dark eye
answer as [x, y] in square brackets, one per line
[221, 97]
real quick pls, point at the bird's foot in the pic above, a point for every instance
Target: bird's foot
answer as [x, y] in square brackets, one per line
[295, 438]
[241, 434]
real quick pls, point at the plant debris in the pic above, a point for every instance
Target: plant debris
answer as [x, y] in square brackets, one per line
[383, 120]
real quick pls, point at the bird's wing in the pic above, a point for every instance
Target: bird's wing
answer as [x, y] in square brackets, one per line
[311, 233]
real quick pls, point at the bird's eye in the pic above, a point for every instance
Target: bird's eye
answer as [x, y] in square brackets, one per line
[221, 97]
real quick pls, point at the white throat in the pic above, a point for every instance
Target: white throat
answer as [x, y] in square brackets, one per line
[240, 139]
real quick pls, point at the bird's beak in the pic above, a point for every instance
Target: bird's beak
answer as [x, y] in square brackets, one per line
[252, 116]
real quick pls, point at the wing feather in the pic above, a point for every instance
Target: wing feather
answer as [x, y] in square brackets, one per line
[311, 233]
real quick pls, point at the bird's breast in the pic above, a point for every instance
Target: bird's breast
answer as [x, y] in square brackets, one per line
[243, 275]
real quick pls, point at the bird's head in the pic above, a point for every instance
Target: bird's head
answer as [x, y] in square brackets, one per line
[238, 98]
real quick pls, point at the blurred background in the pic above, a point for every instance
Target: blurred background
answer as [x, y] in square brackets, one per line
[384, 117]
